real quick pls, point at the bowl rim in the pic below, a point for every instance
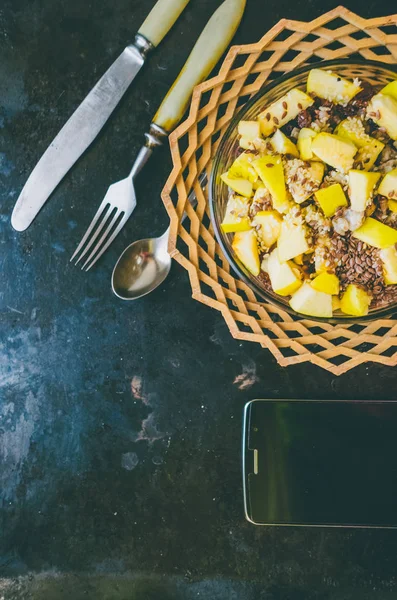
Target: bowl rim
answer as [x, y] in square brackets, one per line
[383, 313]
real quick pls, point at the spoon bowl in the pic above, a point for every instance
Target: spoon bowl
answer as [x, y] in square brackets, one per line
[141, 268]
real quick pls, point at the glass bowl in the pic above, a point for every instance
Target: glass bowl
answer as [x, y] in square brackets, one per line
[376, 73]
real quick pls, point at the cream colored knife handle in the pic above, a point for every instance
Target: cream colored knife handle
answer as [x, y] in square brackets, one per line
[161, 18]
[209, 48]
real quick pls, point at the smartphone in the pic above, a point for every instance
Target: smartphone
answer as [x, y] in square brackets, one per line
[320, 463]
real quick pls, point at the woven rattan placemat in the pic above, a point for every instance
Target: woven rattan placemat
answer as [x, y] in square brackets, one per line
[288, 45]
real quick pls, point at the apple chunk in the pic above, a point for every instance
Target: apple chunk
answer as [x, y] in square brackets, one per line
[269, 222]
[336, 151]
[327, 283]
[292, 241]
[270, 170]
[389, 259]
[246, 247]
[312, 303]
[331, 198]
[361, 187]
[331, 86]
[283, 145]
[376, 234]
[355, 301]
[305, 138]
[280, 112]
[236, 215]
[285, 278]
[243, 187]
[383, 111]
[388, 185]
[390, 89]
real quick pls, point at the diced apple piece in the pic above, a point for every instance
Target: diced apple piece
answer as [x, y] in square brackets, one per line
[283, 145]
[392, 205]
[303, 179]
[236, 216]
[330, 86]
[390, 89]
[355, 301]
[331, 198]
[243, 187]
[353, 129]
[246, 247]
[369, 148]
[361, 187]
[292, 241]
[280, 112]
[317, 171]
[305, 138]
[249, 129]
[389, 259]
[383, 111]
[250, 133]
[376, 234]
[265, 264]
[270, 226]
[246, 143]
[242, 167]
[283, 277]
[388, 185]
[327, 283]
[312, 303]
[270, 170]
[367, 155]
[335, 303]
[334, 150]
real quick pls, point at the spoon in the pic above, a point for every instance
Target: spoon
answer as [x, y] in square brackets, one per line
[145, 264]
[141, 268]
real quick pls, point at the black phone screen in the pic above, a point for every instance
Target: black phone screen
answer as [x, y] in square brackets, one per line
[320, 463]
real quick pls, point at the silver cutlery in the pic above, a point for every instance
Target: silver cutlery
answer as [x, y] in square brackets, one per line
[141, 268]
[145, 264]
[120, 199]
[89, 118]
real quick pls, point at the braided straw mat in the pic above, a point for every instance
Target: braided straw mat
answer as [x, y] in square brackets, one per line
[288, 45]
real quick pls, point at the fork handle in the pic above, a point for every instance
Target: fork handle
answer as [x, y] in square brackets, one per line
[154, 138]
[208, 49]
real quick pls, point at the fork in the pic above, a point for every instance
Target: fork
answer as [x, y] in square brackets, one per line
[120, 199]
[116, 207]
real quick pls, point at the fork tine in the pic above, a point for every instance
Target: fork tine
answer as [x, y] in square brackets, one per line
[104, 220]
[94, 221]
[108, 242]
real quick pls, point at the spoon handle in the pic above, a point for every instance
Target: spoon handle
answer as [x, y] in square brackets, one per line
[208, 49]
[212, 43]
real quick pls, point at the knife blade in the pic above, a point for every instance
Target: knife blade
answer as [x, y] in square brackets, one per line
[88, 119]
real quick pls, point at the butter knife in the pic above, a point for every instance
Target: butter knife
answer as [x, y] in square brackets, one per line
[89, 118]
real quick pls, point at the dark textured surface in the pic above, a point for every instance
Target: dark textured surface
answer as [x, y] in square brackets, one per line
[120, 423]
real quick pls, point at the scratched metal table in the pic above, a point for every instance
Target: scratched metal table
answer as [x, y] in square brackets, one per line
[120, 423]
